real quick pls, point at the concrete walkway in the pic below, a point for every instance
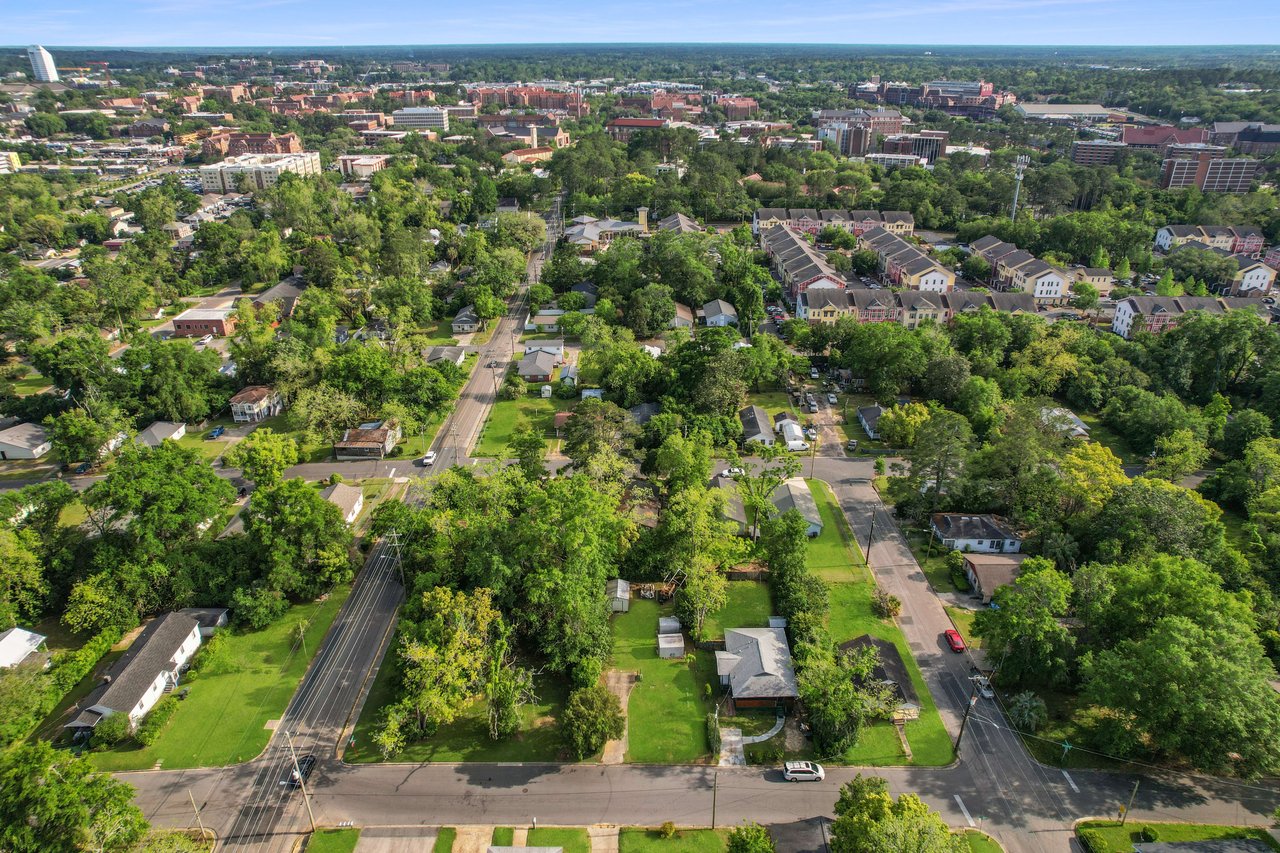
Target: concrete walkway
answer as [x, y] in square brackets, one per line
[604, 838]
[731, 754]
[620, 684]
[777, 727]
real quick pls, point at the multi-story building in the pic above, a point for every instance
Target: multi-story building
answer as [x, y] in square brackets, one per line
[798, 264]
[812, 221]
[737, 109]
[9, 163]
[42, 65]
[928, 145]
[259, 170]
[433, 118]
[1209, 172]
[1100, 278]
[1046, 283]
[1235, 239]
[236, 144]
[896, 161]
[622, 129]
[536, 97]
[1156, 314]
[1248, 137]
[362, 166]
[904, 265]
[1096, 152]
[974, 98]
[1159, 137]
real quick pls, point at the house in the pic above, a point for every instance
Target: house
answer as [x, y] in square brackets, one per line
[24, 441]
[452, 355]
[348, 499]
[618, 592]
[683, 318]
[466, 321]
[552, 347]
[1251, 278]
[198, 322]
[368, 441]
[1065, 421]
[679, 223]
[283, 294]
[756, 668]
[891, 671]
[151, 667]
[537, 366]
[508, 205]
[755, 426]
[989, 572]
[782, 418]
[987, 534]
[1100, 278]
[794, 494]
[869, 417]
[17, 645]
[209, 619]
[255, 403]
[160, 431]
[717, 312]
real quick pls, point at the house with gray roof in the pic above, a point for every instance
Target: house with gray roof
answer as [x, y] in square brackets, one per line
[466, 321]
[756, 668]
[161, 431]
[537, 366]
[988, 534]
[348, 499]
[869, 417]
[756, 426]
[794, 493]
[717, 312]
[24, 441]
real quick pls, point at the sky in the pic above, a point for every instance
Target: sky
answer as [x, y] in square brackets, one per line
[151, 23]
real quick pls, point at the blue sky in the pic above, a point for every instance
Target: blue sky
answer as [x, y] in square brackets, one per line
[360, 22]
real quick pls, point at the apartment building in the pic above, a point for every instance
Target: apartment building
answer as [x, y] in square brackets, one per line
[853, 133]
[622, 129]
[362, 166]
[433, 118]
[911, 308]
[9, 163]
[737, 109]
[1046, 283]
[1160, 137]
[812, 221]
[1096, 152]
[1207, 170]
[895, 161]
[1157, 314]
[43, 67]
[1100, 279]
[260, 170]
[797, 262]
[1235, 239]
[1247, 137]
[928, 145]
[536, 97]
[236, 143]
[973, 98]
[904, 265]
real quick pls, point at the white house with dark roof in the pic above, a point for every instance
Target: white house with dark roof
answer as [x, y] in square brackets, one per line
[256, 403]
[987, 534]
[465, 321]
[869, 417]
[24, 441]
[756, 426]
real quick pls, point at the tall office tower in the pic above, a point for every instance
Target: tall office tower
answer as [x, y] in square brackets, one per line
[42, 64]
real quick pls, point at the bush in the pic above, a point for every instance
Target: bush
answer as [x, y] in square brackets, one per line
[884, 605]
[214, 658]
[335, 478]
[153, 724]
[1149, 834]
[1027, 712]
[750, 838]
[592, 716]
[667, 830]
[713, 733]
[1093, 841]
[111, 730]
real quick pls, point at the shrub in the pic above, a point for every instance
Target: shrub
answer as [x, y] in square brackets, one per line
[111, 730]
[335, 478]
[954, 561]
[1093, 841]
[884, 605]
[592, 716]
[214, 658]
[713, 733]
[1149, 834]
[750, 838]
[879, 466]
[667, 830]
[153, 724]
[1027, 712]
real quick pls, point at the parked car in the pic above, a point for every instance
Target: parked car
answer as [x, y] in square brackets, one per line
[295, 776]
[803, 771]
[206, 340]
[429, 459]
[217, 432]
[732, 472]
[851, 444]
[813, 373]
[983, 685]
[811, 434]
[831, 398]
[494, 363]
[797, 446]
[954, 640]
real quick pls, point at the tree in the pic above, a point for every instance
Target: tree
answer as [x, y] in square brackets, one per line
[1027, 712]
[900, 425]
[1091, 474]
[1176, 455]
[1147, 514]
[263, 456]
[599, 438]
[507, 687]
[300, 539]
[528, 447]
[22, 583]
[76, 435]
[840, 696]
[750, 838]
[941, 444]
[684, 462]
[592, 716]
[1025, 629]
[976, 268]
[54, 800]
[869, 820]
[704, 591]
[1084, 296]
[650, 310]
[1240, 431]
[322, 412]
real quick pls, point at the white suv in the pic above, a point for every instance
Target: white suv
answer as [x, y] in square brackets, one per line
[803, 771]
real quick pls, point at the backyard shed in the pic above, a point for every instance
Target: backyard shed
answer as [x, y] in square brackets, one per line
[670, 645]
[668, 625]
[618, 592]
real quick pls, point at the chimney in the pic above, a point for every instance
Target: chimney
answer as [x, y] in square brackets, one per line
[643, 213]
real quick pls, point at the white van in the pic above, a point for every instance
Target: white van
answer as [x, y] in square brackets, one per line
[797, 446]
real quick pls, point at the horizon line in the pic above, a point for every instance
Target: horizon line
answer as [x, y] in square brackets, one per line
[402, 45]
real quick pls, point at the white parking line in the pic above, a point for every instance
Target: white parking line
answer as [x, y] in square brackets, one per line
[967, 816]
[1070, 781]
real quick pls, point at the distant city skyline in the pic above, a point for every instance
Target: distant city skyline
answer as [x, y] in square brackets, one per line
[259, 23]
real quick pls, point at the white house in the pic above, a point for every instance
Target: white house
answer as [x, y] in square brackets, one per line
[1254, 278]
[794, 493]
[869, 417]
[24, 441]
[348, 499]
[755, 425]
[18, 644]
[150, 668]
[985, 534]
[717, 312]
[159, 431]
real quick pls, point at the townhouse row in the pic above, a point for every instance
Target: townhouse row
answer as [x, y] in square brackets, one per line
[811, 221]
[908, 307]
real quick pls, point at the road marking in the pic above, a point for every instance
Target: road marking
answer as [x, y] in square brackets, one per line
[392, 474]
[967, 816]
[1070, 781]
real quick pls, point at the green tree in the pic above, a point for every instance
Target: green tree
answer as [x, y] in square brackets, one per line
[76, 435]
[1176, 455]
[942, 443]
[528, 447]
[869, 820]
[703, 591]
[300, 539]
[750, 838]
[900, 425]
[263, 456]
[1025, 630]
[592, 716]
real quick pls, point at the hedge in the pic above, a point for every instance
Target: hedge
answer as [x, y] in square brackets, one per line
[155, 721]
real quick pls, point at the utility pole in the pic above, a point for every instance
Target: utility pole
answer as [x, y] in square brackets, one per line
[973, 700]
[302, 783]
[1019, 169]
[870, 533]
[196, 809]
[1124, 815]
[715, 789]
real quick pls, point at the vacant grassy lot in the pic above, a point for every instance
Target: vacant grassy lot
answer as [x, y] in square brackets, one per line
[503, 417]
[666, 714]
[199, 441]
[223, 720]
[1072, 721]
[467, 737]
[333, 841]
[1120, 839]
[831, 554]
[637, 840]
[573, 840]
[963, 620]
[749, 607]
[774, 402]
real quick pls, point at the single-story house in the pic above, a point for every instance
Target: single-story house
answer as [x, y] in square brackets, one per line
[869, 417]
[1065, 421]
[466, 321]
[552, 347]
[644, 412]
[18, 644]
[618, 591]
[24, 441]
[285, 294]
[161, 431]
[734, 509]
[892, 671]
[368, 441]
[756, 668]
[987, 534]
[456, 355]
[717, 312]
[151, 667]
[989, 572]
[210, 619]
[683, 318]
[348, 499]
[256, 403]
[537, 366]
[794, 493]
[198, 322]
[755, 426]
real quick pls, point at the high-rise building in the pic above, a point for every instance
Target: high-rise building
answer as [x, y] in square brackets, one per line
[429, 117]
[42, 64]
[262, 170]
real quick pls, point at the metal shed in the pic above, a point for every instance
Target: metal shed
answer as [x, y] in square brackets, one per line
[670, 645]
[668, 625]
[618, 592]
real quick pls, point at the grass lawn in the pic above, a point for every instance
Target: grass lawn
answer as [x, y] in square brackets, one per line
[31, 383]
[503, 836]
[306, 452]
[57, 638]
[931, 556]
[1106, 436]
[1070, 720]
[637, 840]
[223, 721]
[666, 713]
[503, 417]
[52, 727]
[73, 514]
[199, 441]
[774, 402]
[1120, 839]
[439, 334]
[749, 607]
[444, 840]
[573, 840]
[831, 554]
[467, 737]
[980, 842]
[852, 427]
[333, 841]
[963, 620]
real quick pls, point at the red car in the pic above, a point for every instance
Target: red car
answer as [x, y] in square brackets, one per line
[954, 640]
